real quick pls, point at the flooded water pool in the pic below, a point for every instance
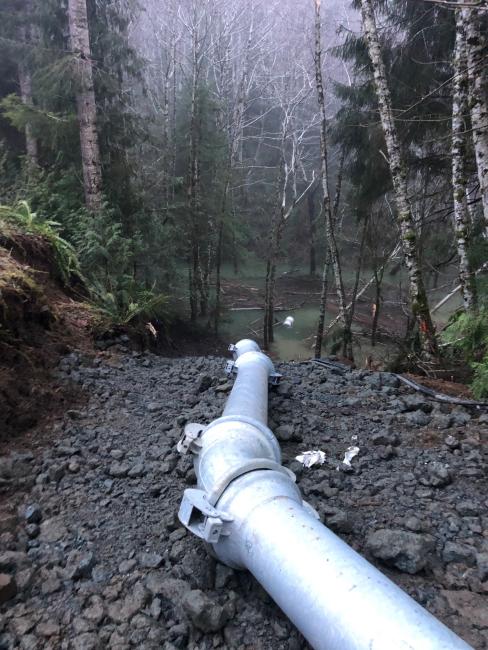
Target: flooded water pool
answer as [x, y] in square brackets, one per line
[297, 343]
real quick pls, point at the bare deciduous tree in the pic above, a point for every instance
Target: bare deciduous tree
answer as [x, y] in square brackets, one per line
[332, 256]
[418, 295]
[458, 152]
[478, 101]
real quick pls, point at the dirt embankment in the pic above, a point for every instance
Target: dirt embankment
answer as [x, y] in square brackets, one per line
[94, 556]
[40, 321]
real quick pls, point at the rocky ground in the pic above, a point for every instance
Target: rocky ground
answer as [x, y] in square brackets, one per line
[92, 555]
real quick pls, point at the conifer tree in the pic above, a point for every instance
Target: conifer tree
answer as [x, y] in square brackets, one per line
[86, 104]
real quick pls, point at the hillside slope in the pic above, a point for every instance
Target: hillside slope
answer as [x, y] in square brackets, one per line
[40, 320]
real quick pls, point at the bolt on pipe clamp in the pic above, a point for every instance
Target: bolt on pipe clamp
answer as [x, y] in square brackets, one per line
[201, 518]
[190, 441]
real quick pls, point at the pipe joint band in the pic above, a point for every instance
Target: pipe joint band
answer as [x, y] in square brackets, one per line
[251, 466]
[266, 431]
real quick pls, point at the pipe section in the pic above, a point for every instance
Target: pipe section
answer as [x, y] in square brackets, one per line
[251, 514]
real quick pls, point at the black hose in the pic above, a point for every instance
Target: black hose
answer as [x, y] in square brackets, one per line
[440, 397]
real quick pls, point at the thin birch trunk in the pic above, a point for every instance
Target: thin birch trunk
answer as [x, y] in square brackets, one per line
[378, 278]
[193, 180]
[167, 166]
[274, 243]
[218, 280]
[320, 335]
[478, 100]
[482, 269]
[311, 221]
[319, 338]
[25, 83]
[347, 345]
[86, 105]
[193, 265]
[461, 218]
[235, 138]
[336, 320]
[327, 211]
[173, 124]
[418, 296]
[279, 220]
[25, 86]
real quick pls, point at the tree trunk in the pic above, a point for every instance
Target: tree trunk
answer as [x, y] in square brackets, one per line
[378, 277]
[311, 221]
[274, 246]
[478, 101]
[338, 187]
[25, 83]
[328, 217]
[193, 271]
[418, 296]
[166, 158]
[347, 342]
[218, 282]
[205, 272]
[461, 218]
[193, 180]
[85, 100]
[323, 306]
[235, 138]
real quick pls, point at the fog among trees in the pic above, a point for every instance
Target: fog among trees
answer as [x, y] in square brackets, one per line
[176, 142]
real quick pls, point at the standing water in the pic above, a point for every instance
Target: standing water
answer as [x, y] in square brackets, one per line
[297, 343]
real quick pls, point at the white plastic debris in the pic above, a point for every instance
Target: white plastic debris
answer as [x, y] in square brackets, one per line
[312, 457]
[289, 321]
[152, 329]
[349, 455]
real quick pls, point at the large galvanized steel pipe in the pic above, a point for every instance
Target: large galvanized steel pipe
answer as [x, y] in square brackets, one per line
[251, 514]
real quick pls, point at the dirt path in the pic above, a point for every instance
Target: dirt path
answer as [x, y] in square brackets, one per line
[93, 554]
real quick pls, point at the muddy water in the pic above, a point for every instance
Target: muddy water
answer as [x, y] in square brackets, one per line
[297, 343]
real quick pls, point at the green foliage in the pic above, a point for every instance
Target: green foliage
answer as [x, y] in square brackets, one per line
[467, 334]
[103, 248]
[30, 223]
[123, 301]
[479, 384]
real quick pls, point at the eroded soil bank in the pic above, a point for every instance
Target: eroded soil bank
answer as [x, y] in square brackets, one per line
[92, 554]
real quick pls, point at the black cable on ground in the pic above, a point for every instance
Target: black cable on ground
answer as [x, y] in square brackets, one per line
[440, 397]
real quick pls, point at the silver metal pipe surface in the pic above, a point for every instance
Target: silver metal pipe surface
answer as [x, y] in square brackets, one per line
[251, 514]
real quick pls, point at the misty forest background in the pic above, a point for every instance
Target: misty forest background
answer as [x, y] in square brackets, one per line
[161, 145]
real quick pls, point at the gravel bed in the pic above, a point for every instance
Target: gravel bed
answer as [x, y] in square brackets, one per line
[92, 555]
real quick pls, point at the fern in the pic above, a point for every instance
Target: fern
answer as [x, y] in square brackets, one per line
[26, 221]
[123, 301]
